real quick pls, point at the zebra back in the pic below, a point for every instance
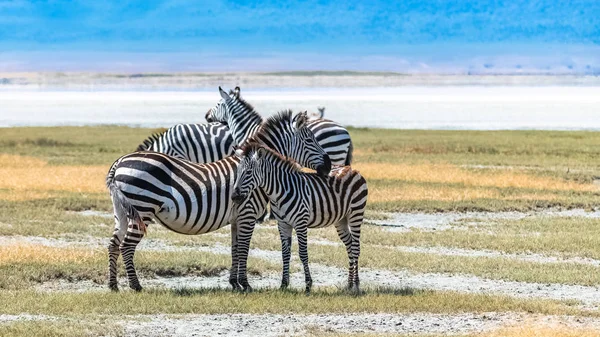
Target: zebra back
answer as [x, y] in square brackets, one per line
[200, 143]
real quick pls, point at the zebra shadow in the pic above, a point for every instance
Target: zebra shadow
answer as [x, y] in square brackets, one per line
[320, 292]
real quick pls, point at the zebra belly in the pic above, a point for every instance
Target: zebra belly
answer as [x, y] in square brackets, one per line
[199, 219]
[324, 223]
[194, 228]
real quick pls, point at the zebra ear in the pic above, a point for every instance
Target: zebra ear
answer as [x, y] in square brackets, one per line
[301, 120]
[260, 153]
[236, 92]
[321, 111]
[223, 94]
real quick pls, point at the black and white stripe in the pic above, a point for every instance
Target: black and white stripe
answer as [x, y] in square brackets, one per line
[301, 200]
[243, 121]
[191, 198]
[200, 143]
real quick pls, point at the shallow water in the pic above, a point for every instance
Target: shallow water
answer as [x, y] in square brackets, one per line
[479, 108]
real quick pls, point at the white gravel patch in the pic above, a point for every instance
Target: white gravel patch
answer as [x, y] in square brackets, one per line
[530, 257]
[310, 324]
[402, 222]
[4, 318]
[63, 242]
[90, 212]
[294, 325]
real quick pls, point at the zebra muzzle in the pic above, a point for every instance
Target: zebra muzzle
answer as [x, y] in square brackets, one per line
[324, 169]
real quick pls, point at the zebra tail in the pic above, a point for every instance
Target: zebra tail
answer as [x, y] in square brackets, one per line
[349, 154]
[120, 201]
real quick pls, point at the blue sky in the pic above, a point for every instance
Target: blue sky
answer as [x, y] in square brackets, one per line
[175, 31]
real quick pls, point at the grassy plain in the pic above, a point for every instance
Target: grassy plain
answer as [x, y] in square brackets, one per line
[48, 175]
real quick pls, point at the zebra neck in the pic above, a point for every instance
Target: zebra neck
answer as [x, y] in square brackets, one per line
[274, 142]
[279, 181]
[242, 131]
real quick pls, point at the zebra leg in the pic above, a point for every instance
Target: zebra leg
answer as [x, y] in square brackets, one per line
[354, 222]
[301, 233]
[233, 273]
[285, 233]
[244, 234]
[113, 248]
[344, 234]
[132, 238]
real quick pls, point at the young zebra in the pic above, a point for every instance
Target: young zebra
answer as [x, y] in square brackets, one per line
[301, 200]
[243, 121]
[191, 198]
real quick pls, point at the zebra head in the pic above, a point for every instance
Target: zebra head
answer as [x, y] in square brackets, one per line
[305, 148]
[250, 171]
[220, 112]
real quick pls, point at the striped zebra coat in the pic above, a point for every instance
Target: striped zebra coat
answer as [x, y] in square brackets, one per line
[191, 198]
[200, 143]
[243, 121]
[301, 200]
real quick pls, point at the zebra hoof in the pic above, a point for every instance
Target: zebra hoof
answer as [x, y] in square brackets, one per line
[136, 288]
[235, 285]
[307, 291]
[113, 287]
[284, 285]
[248, 289]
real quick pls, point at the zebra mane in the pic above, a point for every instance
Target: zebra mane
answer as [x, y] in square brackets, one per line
[252, 147]
[148, 142]
[247, 106]
[280, 119]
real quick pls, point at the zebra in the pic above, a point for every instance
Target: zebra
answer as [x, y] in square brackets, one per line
[191, 198]
[300, 201]
[200, 143]
[320, 114]
[243, 120]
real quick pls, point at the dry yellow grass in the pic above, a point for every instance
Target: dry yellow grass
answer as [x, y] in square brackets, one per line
[23, 252]
[25, 178]
[14, 195]
[444, 193]
[446, 173]
[13, 161]
[553, 330]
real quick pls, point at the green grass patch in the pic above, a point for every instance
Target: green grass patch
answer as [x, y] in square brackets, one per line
[23, 267]
[63, 327]
[321, 301]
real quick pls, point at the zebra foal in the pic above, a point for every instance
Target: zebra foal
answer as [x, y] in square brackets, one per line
[301, 200]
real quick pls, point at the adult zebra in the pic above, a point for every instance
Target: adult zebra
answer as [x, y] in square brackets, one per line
[200, 143]
[303, 200]
[191, 198]
[243, 121]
